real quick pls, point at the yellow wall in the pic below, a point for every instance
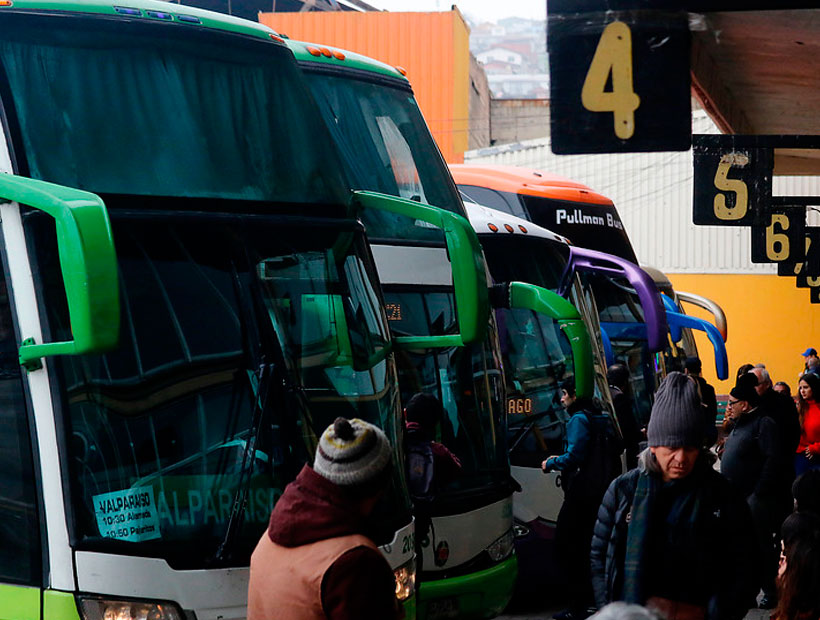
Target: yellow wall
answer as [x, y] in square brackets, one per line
[769, 320]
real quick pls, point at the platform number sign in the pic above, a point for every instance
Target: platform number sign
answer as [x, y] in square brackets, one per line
[808, 273]
[613, 60]
[780, 238]
[810, 264]
[619, 81]
[732, 186]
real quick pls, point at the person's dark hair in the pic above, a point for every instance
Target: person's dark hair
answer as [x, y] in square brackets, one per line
[743, 370]
[798, 594]
[425, 410]
[693, 365]
[806, 492]
[618, 375]
[568, 385]
[745, 389]
[787, 391]
[803, 405]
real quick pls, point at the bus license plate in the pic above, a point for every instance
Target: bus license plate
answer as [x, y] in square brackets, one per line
[442, 608]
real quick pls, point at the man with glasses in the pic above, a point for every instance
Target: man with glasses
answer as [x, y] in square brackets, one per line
[752, 460]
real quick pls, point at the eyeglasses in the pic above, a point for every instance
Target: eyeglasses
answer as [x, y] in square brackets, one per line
[732, 403]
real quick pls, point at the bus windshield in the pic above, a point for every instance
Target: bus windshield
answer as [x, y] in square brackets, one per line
[469, 384]
[537, 355]
[385, 146]
[169, 116]
[194, 406]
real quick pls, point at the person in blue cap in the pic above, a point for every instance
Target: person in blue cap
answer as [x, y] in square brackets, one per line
[812, 362]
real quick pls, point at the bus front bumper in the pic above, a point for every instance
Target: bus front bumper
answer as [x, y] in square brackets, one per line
[483, 594]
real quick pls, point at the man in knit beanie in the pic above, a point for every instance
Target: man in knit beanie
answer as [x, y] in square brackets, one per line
[659, 524]
[317, 558]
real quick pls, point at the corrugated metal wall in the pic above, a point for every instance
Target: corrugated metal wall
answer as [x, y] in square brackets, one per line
[653, 194]
[433, 47]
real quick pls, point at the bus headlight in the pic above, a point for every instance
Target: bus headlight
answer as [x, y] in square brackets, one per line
[405, 580]
[95, 608]
[502, 547]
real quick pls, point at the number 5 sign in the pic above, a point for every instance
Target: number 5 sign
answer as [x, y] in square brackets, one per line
[732, 184]
[619, 81]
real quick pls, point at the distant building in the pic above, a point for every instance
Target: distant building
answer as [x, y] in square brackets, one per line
[501, 55]
[519, 86]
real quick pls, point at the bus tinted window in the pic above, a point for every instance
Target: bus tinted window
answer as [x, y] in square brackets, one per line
[168, 116]
[386, 147]
[525, 259]
[214, 309]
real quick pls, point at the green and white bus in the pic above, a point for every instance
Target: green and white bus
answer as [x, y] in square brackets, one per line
[187, 299]
[468, 564]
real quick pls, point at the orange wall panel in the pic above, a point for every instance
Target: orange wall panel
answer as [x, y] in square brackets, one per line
[769, 321]
[432, 47]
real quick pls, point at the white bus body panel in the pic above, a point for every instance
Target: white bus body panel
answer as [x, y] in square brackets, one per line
[403, 264]
[211, 594]
[540, 496]
[467, 534]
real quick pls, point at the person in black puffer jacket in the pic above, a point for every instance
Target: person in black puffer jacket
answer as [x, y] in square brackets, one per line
[753, 461]
[674, 534]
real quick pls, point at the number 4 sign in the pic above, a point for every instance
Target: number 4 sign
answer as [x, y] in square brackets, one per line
[619, 81]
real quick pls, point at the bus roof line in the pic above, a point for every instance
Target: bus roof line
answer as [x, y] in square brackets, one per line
[149, 10]
[349, 60]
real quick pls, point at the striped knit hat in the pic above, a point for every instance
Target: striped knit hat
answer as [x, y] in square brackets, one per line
[352, 452]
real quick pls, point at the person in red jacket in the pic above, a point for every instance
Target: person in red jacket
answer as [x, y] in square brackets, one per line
[317, 559]
[808, 450]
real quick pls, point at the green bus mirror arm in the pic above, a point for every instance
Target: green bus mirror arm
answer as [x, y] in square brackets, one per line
[466, 260]
[548, 303]
[88, 263]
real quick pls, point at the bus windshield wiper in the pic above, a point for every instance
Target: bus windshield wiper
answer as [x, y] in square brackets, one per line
[260, 387]
[263, 377]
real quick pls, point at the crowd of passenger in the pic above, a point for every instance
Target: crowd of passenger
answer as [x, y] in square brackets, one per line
[703, 525]
[708, 524]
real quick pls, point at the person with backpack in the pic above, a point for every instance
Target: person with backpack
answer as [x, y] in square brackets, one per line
[674, 534]
[590, 460]
[430, 464]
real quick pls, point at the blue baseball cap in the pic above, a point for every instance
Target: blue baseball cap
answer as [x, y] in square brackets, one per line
[809, 351]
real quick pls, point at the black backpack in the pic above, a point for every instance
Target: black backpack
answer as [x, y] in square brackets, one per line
[420, 471]
[603, 464]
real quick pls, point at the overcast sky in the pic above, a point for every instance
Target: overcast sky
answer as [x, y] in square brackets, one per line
[485, 10]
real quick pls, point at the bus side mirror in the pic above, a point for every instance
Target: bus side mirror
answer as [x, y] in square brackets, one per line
[679, 321]
[88, 263]
[466, 261]
[544, 301]
[582, 259]
[675, 330]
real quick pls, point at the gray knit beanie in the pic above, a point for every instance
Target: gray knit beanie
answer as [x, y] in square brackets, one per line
[677, 418]
[352, 452]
